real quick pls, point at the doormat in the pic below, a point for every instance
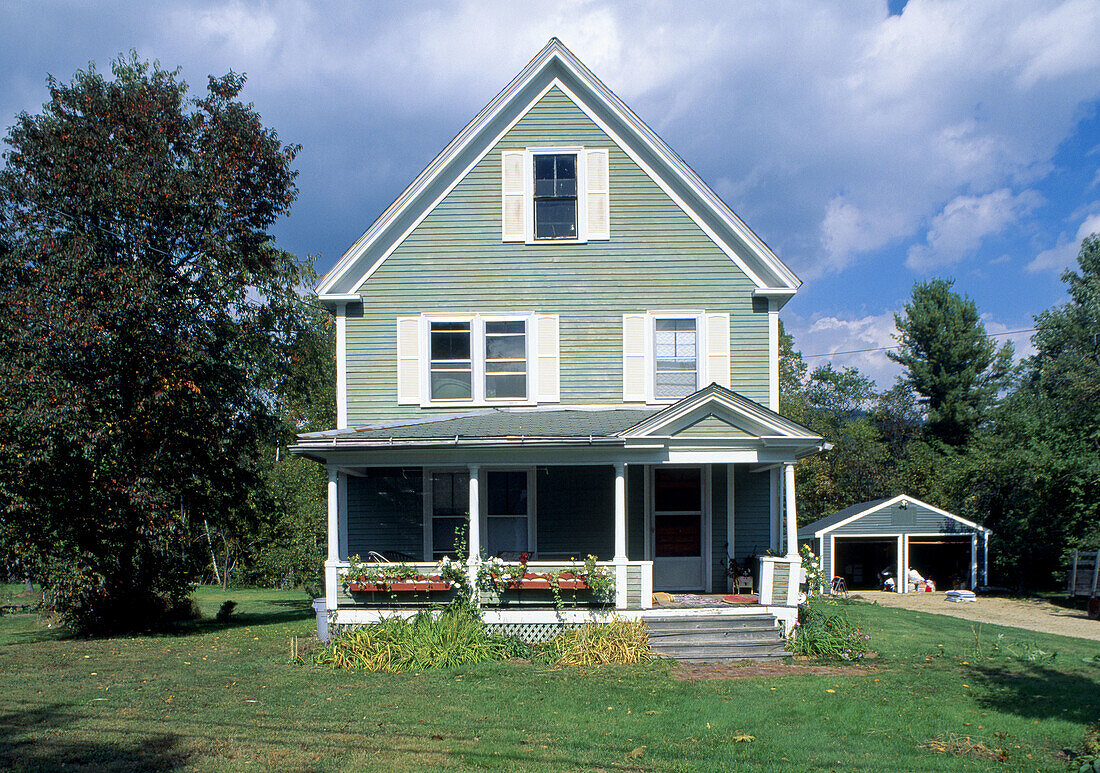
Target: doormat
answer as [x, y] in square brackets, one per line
[740, 599]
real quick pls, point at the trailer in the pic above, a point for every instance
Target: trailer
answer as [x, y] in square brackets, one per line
[1084, 579]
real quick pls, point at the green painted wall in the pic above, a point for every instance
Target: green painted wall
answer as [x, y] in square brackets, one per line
[454, 260]
[575, 512]
[719, 506]
[386, 512]
[751, 514]
[712, 426]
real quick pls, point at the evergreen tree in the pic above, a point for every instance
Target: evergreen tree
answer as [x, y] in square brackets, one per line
[949, 359]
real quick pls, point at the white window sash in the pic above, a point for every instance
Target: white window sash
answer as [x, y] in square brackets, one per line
[582, 188]
[699, 317]
[477, 354]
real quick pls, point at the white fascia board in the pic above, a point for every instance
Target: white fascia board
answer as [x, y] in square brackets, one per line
[553, 52]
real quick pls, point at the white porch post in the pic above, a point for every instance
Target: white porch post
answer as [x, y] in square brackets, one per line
[474, 534]
[620, 558]
[333, 536]
[985, 559]
[973, 561]
[792, 521]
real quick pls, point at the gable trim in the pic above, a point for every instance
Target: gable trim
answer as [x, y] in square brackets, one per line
[895, 500]
[553, 52]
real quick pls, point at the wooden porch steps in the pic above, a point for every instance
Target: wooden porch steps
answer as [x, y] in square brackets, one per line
[716, 637]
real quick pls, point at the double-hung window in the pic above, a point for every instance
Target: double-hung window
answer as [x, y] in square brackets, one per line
[507, 512]
[675, 357]
[451, 368]
[555, 195]
[450, 499]
[478, 359]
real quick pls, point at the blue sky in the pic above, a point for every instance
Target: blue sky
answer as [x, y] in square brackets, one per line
[871, 144]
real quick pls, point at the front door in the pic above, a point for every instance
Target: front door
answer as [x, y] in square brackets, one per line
[678, 528]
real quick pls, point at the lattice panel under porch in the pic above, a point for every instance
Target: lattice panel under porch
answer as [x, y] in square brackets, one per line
[530, 633]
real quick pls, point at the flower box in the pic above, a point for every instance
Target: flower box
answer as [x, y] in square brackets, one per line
[531, 581]
[403, 585]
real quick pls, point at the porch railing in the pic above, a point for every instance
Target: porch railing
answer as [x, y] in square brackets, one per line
[633, 580]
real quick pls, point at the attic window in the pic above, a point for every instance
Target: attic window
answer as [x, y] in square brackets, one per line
[555, 196]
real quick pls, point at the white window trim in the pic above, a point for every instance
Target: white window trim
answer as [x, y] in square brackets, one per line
[529, 192]
[532, 505]
[428, 499]
[477, 356]
[650, 351]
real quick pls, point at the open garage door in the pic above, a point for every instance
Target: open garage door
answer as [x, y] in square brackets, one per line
[860, 559]
[943, 560]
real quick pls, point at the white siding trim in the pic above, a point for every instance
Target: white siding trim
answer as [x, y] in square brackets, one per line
[895, 500]
[773, 355]
[341, 366]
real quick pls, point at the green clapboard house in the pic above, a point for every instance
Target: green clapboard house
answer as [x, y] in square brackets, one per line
[557, 343]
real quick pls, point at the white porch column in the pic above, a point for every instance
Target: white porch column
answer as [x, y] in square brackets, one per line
[985, 559]
[333, 536]
[620, 512]
[620, 558]
[792, 520]
[341, 366]
[474, 534]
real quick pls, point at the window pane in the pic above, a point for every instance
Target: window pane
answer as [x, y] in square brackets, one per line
[505, 386]
[451, 385]
[677, 490]
[566, 166]
[514, 327]
[555, 218]
[507, 494]
[506, 535]
[544, 167]
[450, 493]
[450, 340]
[509, 347]
[506, 366]
[443, 535]
[674, 384]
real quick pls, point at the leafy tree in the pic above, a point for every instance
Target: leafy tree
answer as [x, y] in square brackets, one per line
[792, 378]
[147, 317]
[949, 359]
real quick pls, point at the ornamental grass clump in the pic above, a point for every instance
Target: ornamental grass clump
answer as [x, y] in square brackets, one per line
[453, 636]
[825, 632]
[619, 641]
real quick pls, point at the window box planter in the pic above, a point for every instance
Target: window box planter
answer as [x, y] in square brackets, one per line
[404, 585]
[532, 581]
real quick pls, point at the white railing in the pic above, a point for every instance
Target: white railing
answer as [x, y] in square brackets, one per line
[336, 576]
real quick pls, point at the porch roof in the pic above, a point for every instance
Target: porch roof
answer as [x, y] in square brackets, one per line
[498, 423]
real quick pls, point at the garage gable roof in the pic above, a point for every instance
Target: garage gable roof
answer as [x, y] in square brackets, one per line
[857, 511]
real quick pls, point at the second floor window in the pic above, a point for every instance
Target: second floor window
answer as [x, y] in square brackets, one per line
[478, 359]
[675, 357]
[555, 196]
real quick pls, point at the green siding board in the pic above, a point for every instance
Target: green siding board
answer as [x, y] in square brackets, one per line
[575, 509]
[385, 512]
[751, 514]
[454, 260]
[719, 505]
[712, 427]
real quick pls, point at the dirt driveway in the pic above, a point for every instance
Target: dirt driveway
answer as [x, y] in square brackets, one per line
[1032, 614]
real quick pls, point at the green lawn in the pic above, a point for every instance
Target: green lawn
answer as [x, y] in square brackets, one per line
[226, 697]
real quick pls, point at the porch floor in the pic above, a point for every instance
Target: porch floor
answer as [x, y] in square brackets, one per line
[662, 600]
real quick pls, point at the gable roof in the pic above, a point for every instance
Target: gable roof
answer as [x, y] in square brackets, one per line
[857, 511]
[736, 410]
[553, 66]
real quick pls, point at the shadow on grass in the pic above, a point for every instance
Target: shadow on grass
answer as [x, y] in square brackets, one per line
[1039, 692]
[34, 740]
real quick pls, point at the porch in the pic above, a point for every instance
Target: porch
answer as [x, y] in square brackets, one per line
[562, 516]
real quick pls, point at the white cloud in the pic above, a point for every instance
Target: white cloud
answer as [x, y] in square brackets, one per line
[1063, 254]
[959, 229]
[825, 335]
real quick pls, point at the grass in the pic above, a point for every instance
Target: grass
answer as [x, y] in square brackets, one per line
[225, 696]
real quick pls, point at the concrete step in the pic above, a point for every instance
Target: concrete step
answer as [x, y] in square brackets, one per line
[725, 653]
[717, 638]
[732, 622]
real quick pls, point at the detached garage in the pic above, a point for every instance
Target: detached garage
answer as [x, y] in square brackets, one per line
[901, 533]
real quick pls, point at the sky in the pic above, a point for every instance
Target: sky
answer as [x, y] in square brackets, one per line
[871, 144]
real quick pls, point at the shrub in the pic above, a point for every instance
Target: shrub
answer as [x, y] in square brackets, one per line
[225, 611]
[824, 631]
[453, 636]
[620, 641]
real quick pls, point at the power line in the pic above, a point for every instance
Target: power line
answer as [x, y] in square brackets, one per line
[887, 348]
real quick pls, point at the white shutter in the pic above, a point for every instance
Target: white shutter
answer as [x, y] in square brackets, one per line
[513, 196]
[634, 375]
[598, 194]
[547, 387]
[408, 360]
[718, 350]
